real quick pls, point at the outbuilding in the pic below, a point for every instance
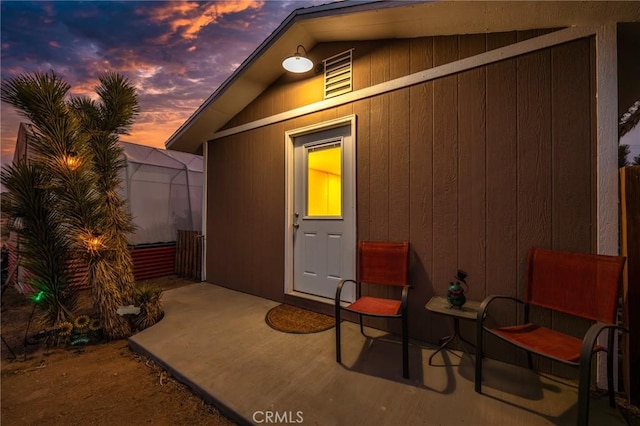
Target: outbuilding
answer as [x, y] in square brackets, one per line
[163, 193]
[473, 130]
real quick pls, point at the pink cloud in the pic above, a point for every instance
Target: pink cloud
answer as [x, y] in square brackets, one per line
[85, 88]
[9, 123]
[154, 128]
[188, 18]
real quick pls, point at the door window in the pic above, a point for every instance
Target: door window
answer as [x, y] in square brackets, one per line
[324, 180]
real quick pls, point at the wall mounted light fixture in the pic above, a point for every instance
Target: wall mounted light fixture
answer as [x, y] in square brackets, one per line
[298, 62]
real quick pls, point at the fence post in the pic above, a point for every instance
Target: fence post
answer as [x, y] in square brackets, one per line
[630, 242]
[188, 254]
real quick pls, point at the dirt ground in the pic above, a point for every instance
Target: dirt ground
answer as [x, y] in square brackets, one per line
[98, 384]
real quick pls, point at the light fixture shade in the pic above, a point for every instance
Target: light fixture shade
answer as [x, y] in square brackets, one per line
[298, 62]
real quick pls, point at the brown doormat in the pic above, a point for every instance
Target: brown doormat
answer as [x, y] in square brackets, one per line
[290, 319]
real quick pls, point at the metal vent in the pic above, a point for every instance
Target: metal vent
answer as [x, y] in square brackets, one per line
[337, 74]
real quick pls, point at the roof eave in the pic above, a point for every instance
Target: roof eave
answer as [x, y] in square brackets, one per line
[180, 140]
[380, 20]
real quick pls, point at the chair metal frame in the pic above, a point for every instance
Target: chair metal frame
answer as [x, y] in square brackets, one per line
[401, 314]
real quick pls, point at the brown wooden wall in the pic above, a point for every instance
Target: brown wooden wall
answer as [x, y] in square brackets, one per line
[245, 234]
[473, 169]
[373, 63]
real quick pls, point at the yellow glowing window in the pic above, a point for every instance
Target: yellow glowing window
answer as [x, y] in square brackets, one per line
[324, 181]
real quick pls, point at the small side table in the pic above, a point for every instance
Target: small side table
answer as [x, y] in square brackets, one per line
[440, 305]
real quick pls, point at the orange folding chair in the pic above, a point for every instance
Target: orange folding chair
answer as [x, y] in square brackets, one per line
[578, 284]
[379, 264]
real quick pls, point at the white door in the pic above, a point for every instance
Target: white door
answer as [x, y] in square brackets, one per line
[324, 234]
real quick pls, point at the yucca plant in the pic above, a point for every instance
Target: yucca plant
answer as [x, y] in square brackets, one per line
[150, 303]
[103, 120]
[74, 143]
[43, 247]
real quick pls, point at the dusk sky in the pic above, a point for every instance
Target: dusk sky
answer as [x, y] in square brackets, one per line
[176, 53]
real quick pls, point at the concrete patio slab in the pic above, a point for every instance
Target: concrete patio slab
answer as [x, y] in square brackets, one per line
[216, 341]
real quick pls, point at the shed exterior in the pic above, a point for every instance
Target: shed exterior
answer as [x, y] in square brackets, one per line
[474, 146]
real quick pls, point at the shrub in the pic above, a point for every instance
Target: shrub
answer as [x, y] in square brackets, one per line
[150, 303]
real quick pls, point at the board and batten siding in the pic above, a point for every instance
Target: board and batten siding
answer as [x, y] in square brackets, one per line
[373, 62]
[473, 169]
[245, 178]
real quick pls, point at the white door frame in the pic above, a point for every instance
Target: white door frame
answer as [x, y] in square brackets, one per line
[289, 140]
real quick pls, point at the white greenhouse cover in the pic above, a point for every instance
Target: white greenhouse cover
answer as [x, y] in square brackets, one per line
[163, 190]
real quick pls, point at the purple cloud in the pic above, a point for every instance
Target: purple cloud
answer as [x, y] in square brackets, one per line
[176, 53]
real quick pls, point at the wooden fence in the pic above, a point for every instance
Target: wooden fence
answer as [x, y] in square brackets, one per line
[189, 254]
[630, 242]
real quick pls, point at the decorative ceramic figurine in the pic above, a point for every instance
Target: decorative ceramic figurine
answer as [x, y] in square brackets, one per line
[455, 293]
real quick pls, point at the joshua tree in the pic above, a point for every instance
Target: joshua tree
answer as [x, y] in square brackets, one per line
[45, 252]
[74, 143]
[103, 121]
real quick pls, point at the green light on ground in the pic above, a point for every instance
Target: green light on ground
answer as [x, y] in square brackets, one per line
[38, 297]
